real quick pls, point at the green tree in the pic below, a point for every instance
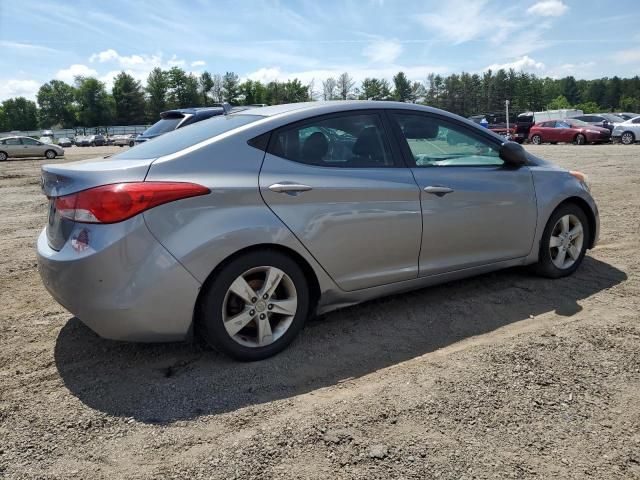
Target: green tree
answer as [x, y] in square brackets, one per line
[230, 87]
[20, 114]
[206, 85]
[129, 100]
[569, 89]
[95, 106]
[559, 103]
[252, 92]
[402, 87]
[57, 104]
[157, 90]
[4, 123]
[587, 107]
[183, 89]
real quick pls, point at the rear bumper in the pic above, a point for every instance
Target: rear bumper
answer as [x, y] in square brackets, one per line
[124, 285]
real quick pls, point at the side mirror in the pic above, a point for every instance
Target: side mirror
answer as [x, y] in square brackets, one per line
[513, 154]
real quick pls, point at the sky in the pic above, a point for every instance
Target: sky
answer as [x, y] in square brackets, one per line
[313, 39]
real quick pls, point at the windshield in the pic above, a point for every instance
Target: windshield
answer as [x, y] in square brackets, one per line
[613, 118]
[579, 123]
[185, 137]
[162, 126]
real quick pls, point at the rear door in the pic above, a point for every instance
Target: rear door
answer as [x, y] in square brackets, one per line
[475, 209]
[341, 187]
[14, 147]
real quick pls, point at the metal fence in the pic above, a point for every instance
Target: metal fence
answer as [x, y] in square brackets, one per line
[79, 131]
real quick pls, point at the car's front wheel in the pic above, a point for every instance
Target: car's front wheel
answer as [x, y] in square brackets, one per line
[3, 156]
[536, 139]
[580, 139]
[564, 242]
[254, 306]
[50, 154]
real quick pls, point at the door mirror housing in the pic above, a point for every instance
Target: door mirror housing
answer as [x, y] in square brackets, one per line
[513, 154]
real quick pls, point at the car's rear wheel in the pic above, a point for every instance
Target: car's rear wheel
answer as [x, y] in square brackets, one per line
[3, 156]
[564, 242]
[627, 138]
[131, 143]
[50, 154]
[536, 139]
[580, 139]
[254, 306]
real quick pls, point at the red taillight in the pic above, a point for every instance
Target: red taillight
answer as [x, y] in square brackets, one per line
[119, 201]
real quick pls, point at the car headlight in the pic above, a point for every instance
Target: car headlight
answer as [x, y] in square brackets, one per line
[582, 178]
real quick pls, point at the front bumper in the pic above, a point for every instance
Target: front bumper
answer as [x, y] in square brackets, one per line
[120, 282]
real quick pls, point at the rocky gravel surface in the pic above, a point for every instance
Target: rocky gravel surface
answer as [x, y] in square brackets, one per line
[506, 375]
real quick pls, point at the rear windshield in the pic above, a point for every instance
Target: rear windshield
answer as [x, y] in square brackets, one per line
[163, 126]
[185, 137]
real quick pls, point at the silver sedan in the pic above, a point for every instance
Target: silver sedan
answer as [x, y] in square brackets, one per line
[238, 228]
[627, 132]
[27, 147]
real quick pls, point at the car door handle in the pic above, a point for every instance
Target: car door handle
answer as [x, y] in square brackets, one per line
[438, 190]
[286, 187]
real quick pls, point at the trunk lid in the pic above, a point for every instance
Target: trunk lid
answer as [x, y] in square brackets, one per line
[64, 179]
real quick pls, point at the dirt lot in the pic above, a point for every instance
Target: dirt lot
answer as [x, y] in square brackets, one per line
[501, 376]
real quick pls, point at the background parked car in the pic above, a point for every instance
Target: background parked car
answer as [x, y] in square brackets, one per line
[124, 140]
[64, 142]
[47, 140]
[604, 120]
[82, 141]
[568, 131]
[627, 132]
[627, 115]
[97, 140]
[27, 147]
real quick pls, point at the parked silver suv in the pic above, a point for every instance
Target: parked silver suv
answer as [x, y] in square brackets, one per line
[238, 227]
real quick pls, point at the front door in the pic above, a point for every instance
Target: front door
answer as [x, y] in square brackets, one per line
[475, 209]
[342, 189]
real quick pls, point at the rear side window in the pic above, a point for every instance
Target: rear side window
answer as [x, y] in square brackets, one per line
[349, 141]
[12, 141]
[177, 140]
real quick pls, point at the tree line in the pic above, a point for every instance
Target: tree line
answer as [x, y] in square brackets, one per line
[87, 102]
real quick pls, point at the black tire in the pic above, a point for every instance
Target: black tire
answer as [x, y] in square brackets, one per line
[93, 144]
[50, 154]
[580, 139]
[627, 138]
[553, 143]
[536, 140]
[210, 321]
[132, 143]
[545, 266]
[3, 156]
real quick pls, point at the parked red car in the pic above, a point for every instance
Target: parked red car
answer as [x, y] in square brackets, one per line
[568, 130]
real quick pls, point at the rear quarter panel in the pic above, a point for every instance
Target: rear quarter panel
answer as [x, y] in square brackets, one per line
[202, 232]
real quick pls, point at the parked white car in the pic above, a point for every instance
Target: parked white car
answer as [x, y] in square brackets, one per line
[627, 132]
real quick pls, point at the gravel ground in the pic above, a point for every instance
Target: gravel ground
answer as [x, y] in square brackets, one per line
[501, 376]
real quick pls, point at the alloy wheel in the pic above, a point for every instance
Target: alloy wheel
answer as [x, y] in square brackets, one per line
[627, 138]
[565, 244]
[259, 306]
[50, 154]
[580, 139]
[536, 140]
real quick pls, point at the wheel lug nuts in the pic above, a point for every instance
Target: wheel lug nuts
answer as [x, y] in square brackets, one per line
[270, 307]
[254, 300]
[262, 316]
[265, 296]
[252, 312]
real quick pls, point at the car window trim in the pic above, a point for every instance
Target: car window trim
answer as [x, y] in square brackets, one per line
[406, 149]
[397, 157]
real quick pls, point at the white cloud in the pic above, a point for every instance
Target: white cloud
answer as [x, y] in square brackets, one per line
[548, 8]
[105, 56]
[198, 63]
[18, 88]
[627, 56]
[27, 47]
[525, 63]
[459, 21]
[69, 74]
[383, 51]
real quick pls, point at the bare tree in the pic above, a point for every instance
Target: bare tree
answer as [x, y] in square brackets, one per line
[345, 86]
[216, 88]
[329, 88]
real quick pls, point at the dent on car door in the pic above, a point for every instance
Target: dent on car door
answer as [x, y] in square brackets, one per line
[342, 189]
[476, 210]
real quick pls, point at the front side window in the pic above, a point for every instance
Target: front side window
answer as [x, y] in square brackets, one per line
[562, 125]
[30, 141]
[349, 141]
[436, 142]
